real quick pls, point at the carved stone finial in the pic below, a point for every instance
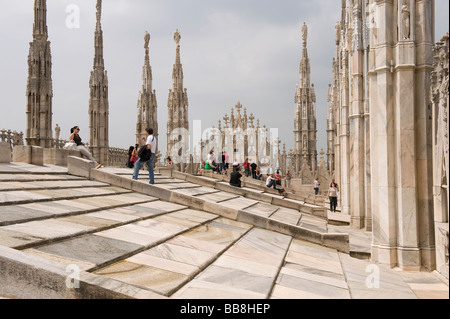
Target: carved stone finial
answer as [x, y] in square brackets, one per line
[238, 107]
[251, 118]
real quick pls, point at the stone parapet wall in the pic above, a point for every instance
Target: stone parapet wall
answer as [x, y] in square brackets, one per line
[56, 155]
[5, 152]
[40, 156]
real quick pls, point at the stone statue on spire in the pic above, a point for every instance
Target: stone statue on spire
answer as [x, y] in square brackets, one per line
[177, 37]
[146, 39]
[99, 10]
[304, 32]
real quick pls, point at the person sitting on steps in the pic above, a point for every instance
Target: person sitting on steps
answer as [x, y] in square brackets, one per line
[235, 178]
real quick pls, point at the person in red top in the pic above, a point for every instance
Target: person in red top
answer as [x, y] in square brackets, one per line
[278, 177]
[247, 167]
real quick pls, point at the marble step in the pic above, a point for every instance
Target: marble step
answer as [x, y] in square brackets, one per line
[232, 207]
[247, 269]
[25, 168]
[21, 213]
[166, 267]
[57, 228]
[100, 250]
[253, 191]
[21, 177]
[48, 184]
[136, 245]
[40, 195]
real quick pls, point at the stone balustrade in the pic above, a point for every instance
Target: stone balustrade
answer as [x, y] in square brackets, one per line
[58, 144]
[13, 138]
[117, 157]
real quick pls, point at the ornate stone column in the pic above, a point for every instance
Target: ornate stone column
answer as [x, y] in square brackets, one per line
[400, 140]
[440, 138]
[356, 122]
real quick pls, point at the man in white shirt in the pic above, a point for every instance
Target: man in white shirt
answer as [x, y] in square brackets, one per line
[316, 186]
[271, 181]
[151, 146]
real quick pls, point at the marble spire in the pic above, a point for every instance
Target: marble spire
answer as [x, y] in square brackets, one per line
[147, 105]
[177, 104]
[98, 101]
[305, 120]
[39, 84]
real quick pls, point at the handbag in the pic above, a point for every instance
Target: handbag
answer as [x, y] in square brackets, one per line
[70, 146]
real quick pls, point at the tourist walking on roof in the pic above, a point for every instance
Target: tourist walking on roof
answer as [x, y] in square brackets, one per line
[332, 195]
[316, 186]
[146, 157]
[335, 184]
[74, 136]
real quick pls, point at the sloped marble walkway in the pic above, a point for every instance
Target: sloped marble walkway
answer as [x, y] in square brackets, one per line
[140, 246]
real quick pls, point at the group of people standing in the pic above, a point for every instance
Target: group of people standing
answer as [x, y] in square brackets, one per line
[138, 156]
[252, 169]
[132, 155]
[146, 155]
[238, 170]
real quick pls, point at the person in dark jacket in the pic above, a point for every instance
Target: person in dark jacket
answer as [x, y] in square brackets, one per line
[235, 178]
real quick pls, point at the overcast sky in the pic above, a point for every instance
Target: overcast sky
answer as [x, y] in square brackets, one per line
[246, 50]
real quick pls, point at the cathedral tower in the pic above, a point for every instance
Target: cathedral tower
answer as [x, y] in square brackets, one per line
[98, 101]
[39, 84]
[147, 106]
[177, 105]
[305, 120]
